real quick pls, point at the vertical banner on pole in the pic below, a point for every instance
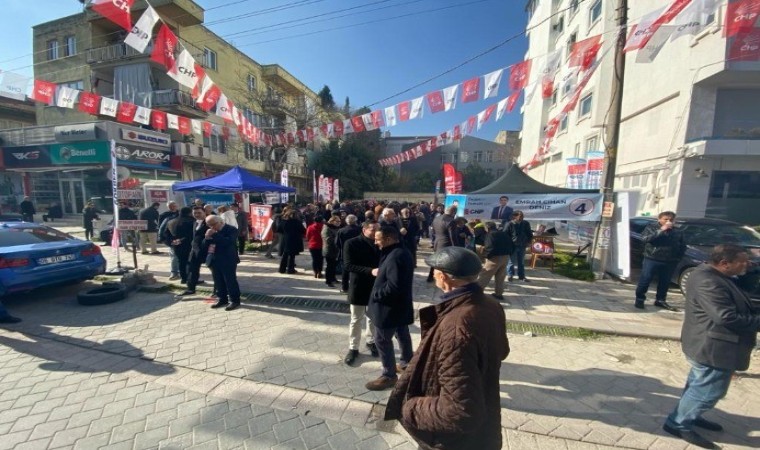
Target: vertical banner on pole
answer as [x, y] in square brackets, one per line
[336, 191]
[576, 173]
[115, 240]
[594, 170]
[315, 192]
[284, 182]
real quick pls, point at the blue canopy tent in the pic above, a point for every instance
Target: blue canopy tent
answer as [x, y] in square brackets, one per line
[236, 179]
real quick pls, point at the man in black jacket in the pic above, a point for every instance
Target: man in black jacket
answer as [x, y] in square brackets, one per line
[390, 305]
[198, 250]
[150, 234]
[27, 210]
[360, 257]
[180, 232]
[221, 241]
[242, 221]
[163, 223]
[498, 247]
[520, 233]
[718, 336]
[350, 231]
[444, 228]
[410, 231]
[664, 246]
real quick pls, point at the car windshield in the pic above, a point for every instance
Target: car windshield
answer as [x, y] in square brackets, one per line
[710, 235]
[30, 235]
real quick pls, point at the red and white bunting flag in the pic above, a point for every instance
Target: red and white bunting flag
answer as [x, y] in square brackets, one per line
[310, 134]
[108, 107]
[43, 92]
[223, 108]
[139, 37]
[457, 133]
[584, 52]
[642, 31]
[551, 67]
[673, 10]
[435, 102]
[694, 18]
[512, 100]
[14, 86]
[491, 82]
[200, 72]
[501, 108]
[301, 135]
[236, 116]
[519, 74]
[367, 122]
[553, 125]
[66, 97]
[126, 112]
[471, 90]
[89, 103]
[357, 124]
[183, 71]
[377, 119]
[472, 121]
[649, 52]
[339, 128]
[450, 97]
[142, 115]
[390, 116]
[432, 144]
[746, 47]
[416, 111]
[172, 121]
[741, 16]
[484, 115]
[404, 110]
[165, 47]
[197, 127]
[547, 87]
[348, 127]
[425, 147]
[210, 98]
[207, 129]
[117, 11]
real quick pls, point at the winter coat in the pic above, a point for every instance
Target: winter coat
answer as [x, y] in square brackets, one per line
[390, 304]
[343, 236]
[360, 256]
[181, 228]
[292, 236]
[225, 250]
[667, 246]
[497, 243]
[150, 214]
[314, 235]
[449, 395]
[412, 231]
[444, 229]
[198, 249]
[329, 248]
[88, 215]
[242, 223]
[520, 233]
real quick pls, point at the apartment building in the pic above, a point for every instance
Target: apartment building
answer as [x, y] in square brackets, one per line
[690, 129]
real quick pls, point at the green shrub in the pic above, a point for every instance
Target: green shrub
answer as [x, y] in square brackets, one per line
[573, 267]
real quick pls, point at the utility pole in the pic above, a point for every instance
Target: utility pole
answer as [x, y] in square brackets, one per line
[604, 231]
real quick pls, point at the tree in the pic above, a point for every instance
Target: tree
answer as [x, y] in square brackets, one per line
[475, 177]
[326, 98]
[347, 108]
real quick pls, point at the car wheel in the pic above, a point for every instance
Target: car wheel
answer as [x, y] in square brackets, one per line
[103, 295]
[683, 277]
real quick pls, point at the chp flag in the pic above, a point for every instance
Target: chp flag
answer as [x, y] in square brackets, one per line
[141, 33]
[284, 182]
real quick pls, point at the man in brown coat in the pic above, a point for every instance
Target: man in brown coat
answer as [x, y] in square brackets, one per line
[448, 397]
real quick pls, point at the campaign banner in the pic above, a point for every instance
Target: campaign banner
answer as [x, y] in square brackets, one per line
[215, 199]
[261, 218]
[284, 182]
[594, 169]
[582, 207]
[460, 201]
[576, 173]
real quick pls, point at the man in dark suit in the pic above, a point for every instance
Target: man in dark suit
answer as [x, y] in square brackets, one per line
[502, 213]
[718, 335]
[350, 231]
[242, 221]
[360, 257]
[444, 230]
[390, 305]
[197, 251]
[221, 241]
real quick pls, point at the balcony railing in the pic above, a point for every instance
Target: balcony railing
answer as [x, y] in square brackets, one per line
[172, 97]
[278, 103]
[115, 52]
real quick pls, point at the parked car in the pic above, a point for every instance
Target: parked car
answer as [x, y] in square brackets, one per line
[701, 236]
[34, 255]
[11, 217]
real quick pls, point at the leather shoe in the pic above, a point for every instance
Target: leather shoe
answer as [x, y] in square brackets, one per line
[510, 278]
[381, 384]
[219, 304]
[707, 425]
[498, 296]
[187, 292]
[664, 305]
[692, 437]
[639, 304]
[232, 306]
[351, 357]
[373, 349]
[9, 319]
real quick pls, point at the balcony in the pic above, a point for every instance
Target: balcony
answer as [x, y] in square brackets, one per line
[176, 102]
[115, 54]
[276, 105]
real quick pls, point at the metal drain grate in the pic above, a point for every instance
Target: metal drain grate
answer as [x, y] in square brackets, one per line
[325, 305]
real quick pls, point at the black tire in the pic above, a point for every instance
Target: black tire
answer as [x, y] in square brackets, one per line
[102, 295]
[685, 274]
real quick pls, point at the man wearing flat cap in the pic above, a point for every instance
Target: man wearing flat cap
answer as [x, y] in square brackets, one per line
[448, 396]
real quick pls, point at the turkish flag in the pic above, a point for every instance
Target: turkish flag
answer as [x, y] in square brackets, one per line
[584, 52]
[512, 101]
[165, 47]
[117, 11]
[358, 124]
[404, 108]
[377, 119]
[126, 112]
[158, 120]
[89, 103]
[435, 101]
[207, 129]
[519, 75]
[547, 87]
[184, 125]
[741, 16]
[471, 90]
[44, 91]
[746, 47]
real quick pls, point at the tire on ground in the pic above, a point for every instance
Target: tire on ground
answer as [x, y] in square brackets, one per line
[108, 293]
[683, 277]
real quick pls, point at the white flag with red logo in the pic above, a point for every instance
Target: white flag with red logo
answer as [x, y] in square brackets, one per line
[184, 71]
[367, 120]
[66, 97]
[117, 11]
[142, 115]
[348, 127]
[501, 108]
[390, 116]
[197, 127]
[172, 121]
[491, 83]
[484, 115]
[641, 32]
[450, 97]
[108, 107]
[141, 33]
[416, 110]
[223, 109]
[741, 16]
[43, 91]
[694, 18]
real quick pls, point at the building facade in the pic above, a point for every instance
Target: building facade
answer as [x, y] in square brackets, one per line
[14, 114]
[689, 135]
[87, 52]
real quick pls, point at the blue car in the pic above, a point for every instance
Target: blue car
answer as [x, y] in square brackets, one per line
[34, 255]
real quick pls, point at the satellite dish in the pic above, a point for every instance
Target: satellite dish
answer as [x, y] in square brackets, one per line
[121, 172]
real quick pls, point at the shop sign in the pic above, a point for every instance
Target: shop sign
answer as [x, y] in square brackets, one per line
[96, 152]
[134, 155]
[158, 195]
[142, 174]
[129, 194]
[168, 175]
[145, 137]
[26, 157]
[81, 132]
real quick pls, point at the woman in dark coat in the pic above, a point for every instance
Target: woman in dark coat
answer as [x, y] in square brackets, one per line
[181, 230]
[292, 230]
[88, 215]
[330, 250]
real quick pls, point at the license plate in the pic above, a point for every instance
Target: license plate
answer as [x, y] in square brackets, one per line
[55, 259]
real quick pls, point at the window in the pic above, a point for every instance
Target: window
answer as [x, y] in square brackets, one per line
[251, 83]
[595, 13]
[570, 42]
[79, 84]
[577, 151]
[573, 7]
[592, 144]
[559, 25]
[554, 97]
[584, 107]
[478, 157]
[69, 46]
[215, 143]
[563, 123]
[249, 151]
[489, 157]
[568, 87]
[52, 50]
[210, 58]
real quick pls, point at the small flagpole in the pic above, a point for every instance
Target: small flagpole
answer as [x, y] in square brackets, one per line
[115, 187]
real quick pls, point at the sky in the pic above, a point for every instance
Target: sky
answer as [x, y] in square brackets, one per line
[371, 63]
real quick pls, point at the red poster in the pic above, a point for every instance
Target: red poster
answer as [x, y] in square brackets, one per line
[158, 120]
[404, 109]
[471, 90]
[741, 16]
[184, 125]
[261, 222]
[358, 124]
[435, 101]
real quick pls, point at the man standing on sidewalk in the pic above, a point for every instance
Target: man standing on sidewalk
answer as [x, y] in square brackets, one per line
[444, 228]
[198, 250]
[222, 258]
[350, 231]
[150, 215]
[360, 258]
[390, 305]
[663, 248]
[498, 247]
[163, 236]
[718, 336]
[449, 396]
[242, 225]
[520, 233]
[27, 210]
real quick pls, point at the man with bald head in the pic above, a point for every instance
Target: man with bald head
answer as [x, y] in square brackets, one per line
[221, 241]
